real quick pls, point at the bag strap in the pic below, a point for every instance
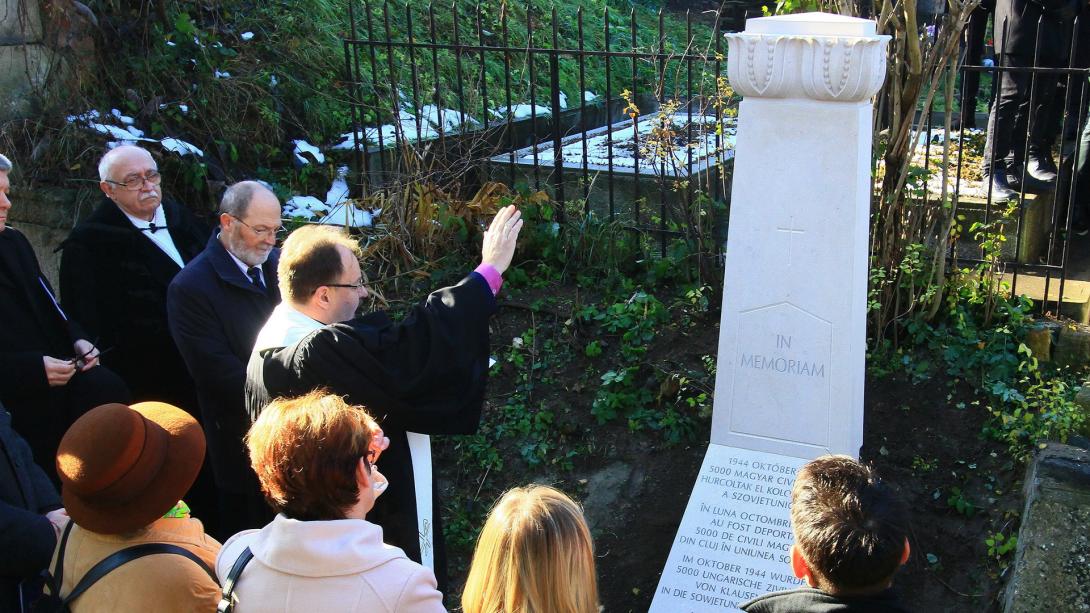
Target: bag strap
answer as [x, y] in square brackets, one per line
[113, 561]
[55, 579]
[226, 604]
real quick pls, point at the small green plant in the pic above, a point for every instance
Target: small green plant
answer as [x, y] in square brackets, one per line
[960, 502]
[1037, 406]
[1000, 547]
[921, 464]
[593, 349]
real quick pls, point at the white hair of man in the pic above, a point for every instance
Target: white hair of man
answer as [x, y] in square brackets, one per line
[105, 165]
[238, 196]
[5, 163]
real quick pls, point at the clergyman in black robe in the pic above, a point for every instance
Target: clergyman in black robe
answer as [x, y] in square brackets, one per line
[423, 375]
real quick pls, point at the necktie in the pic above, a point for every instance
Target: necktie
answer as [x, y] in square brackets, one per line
[255, 276]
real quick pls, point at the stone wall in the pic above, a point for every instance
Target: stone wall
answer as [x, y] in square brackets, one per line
[1051, 569]
[25, 60]
[46, 216]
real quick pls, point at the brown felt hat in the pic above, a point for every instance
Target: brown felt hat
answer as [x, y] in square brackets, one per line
[122, 468]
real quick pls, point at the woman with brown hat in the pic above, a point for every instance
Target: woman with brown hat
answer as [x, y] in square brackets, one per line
[123, 473]
[313, 456]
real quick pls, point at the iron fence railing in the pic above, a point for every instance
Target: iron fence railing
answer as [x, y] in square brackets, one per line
[463, 95]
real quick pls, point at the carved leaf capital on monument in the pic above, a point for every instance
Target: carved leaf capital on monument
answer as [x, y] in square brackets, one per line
[828, 68]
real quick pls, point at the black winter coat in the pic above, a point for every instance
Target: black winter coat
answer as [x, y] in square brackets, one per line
[114, 282]
[1016, 30]
[26, 494]
[215, 313]
[33, 326]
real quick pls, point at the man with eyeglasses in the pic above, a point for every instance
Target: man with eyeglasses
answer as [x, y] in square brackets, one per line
[49, 372]
[215, 308]
[423, 375]
[115, 269]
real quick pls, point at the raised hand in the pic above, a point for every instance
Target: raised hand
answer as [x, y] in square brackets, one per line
[500, 239]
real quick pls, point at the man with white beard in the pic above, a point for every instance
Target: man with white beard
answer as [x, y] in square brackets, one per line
[215, 307]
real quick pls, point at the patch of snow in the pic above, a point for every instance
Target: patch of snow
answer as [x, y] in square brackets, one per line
[89, 116]
[938, 135]
[703, 146]
[171, 43]
[522, 111]
[589, 96]
[117, 133]
[272, 81]
[137, 132]
[221, 75]
[346, 214]
[338, 191]
[563, 100]
[347, 141]
[125, 119]
[302, 146]
[247, 36]
[447, 119]
[184, 108]
[181, 147]
[304, 206]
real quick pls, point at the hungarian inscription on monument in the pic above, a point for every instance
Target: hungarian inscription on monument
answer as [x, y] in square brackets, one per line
[735, 540]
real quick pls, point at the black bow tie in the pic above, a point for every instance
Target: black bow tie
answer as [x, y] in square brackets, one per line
[152, 228]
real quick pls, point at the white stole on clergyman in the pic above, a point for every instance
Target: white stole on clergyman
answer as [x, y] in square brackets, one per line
[420, 453]
[287, 326]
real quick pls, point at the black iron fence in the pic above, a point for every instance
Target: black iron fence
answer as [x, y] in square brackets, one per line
[632, 125]
[630, 117]
[1036, 235]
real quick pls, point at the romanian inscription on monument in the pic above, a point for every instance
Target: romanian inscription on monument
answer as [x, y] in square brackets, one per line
[734, 542]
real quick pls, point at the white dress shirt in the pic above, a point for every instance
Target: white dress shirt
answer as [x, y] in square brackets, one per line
[161, 236]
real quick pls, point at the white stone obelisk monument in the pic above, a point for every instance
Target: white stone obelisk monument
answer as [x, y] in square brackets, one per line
[792, 337]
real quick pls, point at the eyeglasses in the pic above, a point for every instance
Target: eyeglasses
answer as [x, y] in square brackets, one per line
[261, 232]
[358, 285]
[82, 359]
[134, 182]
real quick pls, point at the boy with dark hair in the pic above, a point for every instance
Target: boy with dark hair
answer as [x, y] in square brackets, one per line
[851, 536]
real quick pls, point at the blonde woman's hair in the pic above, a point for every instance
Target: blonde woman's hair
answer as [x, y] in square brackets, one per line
[534, 555]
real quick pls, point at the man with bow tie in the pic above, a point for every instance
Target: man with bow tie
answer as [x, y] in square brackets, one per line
[215, 308]
[116, 266]
[115, 269]
[49, 372]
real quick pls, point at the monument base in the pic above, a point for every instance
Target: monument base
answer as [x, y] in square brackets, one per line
[734, 542]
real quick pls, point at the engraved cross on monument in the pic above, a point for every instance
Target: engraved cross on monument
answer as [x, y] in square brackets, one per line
[792, 338]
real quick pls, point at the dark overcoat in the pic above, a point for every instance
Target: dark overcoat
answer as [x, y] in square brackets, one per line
[425, 374]
[32, 326]
[215, 313]
[1017, 23]
[26, 494]
[114, 282]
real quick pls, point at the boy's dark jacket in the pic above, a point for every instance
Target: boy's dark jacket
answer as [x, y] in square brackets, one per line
[810, 600]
